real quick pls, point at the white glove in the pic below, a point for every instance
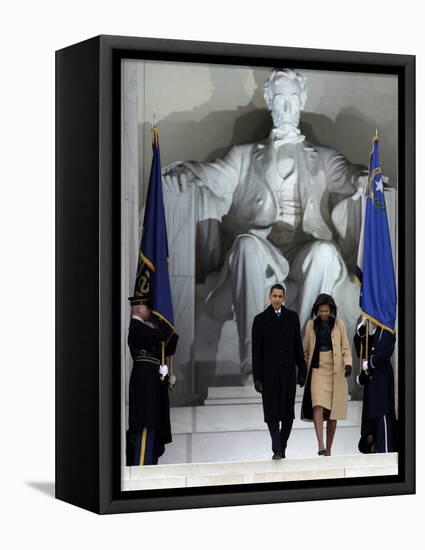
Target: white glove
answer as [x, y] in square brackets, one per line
[163, 370]
[365, 365]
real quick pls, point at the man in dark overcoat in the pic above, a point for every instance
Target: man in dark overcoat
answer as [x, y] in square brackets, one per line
[377, 378]
[277, 351]
[149, 408]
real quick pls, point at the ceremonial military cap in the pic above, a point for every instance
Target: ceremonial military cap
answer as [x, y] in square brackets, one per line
[140, 300]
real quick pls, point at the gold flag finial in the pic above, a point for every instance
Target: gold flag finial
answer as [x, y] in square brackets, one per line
[154, 128]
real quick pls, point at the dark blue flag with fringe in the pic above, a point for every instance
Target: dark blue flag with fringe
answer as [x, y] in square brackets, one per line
[375, 267]
[152, 279]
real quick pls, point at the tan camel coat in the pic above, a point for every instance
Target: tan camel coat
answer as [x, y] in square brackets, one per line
[342, 357]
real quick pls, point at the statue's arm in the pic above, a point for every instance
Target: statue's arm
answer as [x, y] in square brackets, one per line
[220, 176]
[342, 176]
[214, 181]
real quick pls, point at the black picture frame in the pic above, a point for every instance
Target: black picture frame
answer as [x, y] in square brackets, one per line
[88, 274]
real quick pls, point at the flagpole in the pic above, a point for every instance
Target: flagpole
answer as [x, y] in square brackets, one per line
[162, 357]
[361, 357]
[367, 340]
[155, 257]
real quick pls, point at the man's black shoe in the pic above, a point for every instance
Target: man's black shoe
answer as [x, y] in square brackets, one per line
[277, 456]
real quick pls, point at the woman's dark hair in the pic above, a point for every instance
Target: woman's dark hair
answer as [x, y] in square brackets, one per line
[324, 300]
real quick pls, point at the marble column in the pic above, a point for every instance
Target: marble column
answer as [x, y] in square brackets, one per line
[180, 219]
[129, 222]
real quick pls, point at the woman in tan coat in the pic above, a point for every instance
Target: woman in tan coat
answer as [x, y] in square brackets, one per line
[328, 356]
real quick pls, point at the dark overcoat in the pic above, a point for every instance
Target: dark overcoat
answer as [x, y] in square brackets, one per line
[378, 390]
[148, 394]
[277, 351]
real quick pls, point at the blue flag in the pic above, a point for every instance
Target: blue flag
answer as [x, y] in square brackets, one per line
[375, 268]
[152, 280]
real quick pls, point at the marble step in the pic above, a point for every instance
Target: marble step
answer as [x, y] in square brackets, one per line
[234, 401]
[252, 445]
[238, 392]
[258, 471]
[240, 395]
[241, 417]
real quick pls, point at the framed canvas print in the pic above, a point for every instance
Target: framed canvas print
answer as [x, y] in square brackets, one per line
[235, 274]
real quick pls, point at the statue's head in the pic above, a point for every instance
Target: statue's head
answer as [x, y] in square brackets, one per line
[285, 95]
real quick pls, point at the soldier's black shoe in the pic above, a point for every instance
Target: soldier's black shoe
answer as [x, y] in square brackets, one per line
[277, 456]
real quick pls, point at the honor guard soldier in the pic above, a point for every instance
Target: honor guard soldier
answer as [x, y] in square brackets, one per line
[375, 346]
[149, 339]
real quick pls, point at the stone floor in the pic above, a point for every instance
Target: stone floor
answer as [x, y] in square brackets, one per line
[230, 426]
[225, 441]
[258, 471]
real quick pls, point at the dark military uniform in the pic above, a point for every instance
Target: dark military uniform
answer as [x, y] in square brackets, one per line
[277, 350]
[149, 408]
[378, 414]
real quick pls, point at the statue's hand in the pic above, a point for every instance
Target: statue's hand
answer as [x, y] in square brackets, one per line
[178, 179]
[362, 182]
[361, 185]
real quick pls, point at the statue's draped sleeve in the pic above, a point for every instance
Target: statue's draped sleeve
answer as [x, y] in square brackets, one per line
[341, 174]
[215, 183]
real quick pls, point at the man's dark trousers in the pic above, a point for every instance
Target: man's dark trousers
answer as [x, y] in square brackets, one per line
[280, 435]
